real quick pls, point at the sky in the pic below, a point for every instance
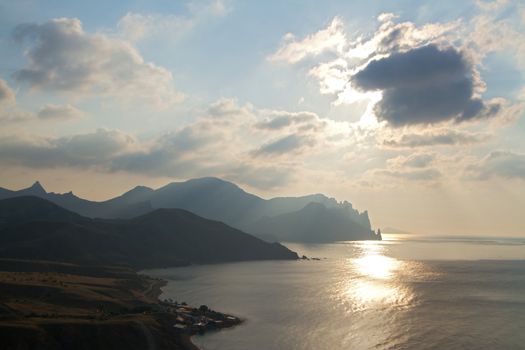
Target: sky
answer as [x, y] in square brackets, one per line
[414, 111]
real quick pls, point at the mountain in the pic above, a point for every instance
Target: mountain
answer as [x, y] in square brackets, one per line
[315, 223]
[125, 206]
[36, 229]
[25, 209]
[214, 199]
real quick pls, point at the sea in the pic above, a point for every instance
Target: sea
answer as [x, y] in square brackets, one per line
[405, 292]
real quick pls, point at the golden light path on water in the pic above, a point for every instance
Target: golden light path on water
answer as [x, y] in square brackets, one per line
[372, 280]
[373, 288]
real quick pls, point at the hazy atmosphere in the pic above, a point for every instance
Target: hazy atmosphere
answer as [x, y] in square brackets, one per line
[411, 110]
[262, 175]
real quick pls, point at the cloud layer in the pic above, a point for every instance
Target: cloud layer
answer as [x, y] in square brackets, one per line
[62, 57]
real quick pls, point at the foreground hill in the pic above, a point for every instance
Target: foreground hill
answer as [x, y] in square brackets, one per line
[48, 306]
[224, 201]
[33, 228]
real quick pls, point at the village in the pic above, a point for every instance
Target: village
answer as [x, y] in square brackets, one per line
[192, 320]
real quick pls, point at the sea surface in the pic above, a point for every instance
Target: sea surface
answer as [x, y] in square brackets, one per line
[405, 292]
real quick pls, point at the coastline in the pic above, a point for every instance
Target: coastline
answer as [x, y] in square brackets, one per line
[185, 340]
[49, 305]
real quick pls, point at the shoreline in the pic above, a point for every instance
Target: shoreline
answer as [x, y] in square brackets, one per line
[186, 338]
[44, 304]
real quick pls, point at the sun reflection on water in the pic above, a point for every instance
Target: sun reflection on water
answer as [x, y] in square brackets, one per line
[373, 277]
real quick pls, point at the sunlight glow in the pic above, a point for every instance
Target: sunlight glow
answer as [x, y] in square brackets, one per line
[377, 266]
[377, 277]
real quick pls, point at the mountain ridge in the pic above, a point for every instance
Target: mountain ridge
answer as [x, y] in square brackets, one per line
[211, 198]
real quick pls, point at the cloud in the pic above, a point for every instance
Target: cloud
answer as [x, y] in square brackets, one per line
[419, 160]
[398, 37]
[9, 111]
[228, 108]
[332, 38]
[410, 74]
[229, 140]
[426, 85]
[285, 145]
[7, 95]
[412, 175]
[82, 150]
[439, 137]
[419, 167]
[62, 57]
[497, 29]
[499, 164]
[136, 27]
[279, 120]
[491, 5]
[59, 112]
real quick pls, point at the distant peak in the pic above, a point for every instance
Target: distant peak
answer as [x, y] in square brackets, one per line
[209, 179]
[37, 188]
[141, 189]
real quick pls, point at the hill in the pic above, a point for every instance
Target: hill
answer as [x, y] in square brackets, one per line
[164, 237]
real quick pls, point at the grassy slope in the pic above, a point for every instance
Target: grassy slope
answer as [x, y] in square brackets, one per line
[46, 305]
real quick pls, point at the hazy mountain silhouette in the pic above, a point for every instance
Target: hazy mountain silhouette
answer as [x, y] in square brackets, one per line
[220, 200]
[315, 223]
[36, 229]
[125, 206]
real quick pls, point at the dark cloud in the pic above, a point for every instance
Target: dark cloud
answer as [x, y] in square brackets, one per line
[502, 164]
[424, 85]
[435, 138]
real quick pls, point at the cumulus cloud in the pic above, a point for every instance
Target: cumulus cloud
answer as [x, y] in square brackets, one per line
[59, 112]
[61, 56]
[409, 74]
[438, 137]
[426, 85]
[499, 164]
[332, 38]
